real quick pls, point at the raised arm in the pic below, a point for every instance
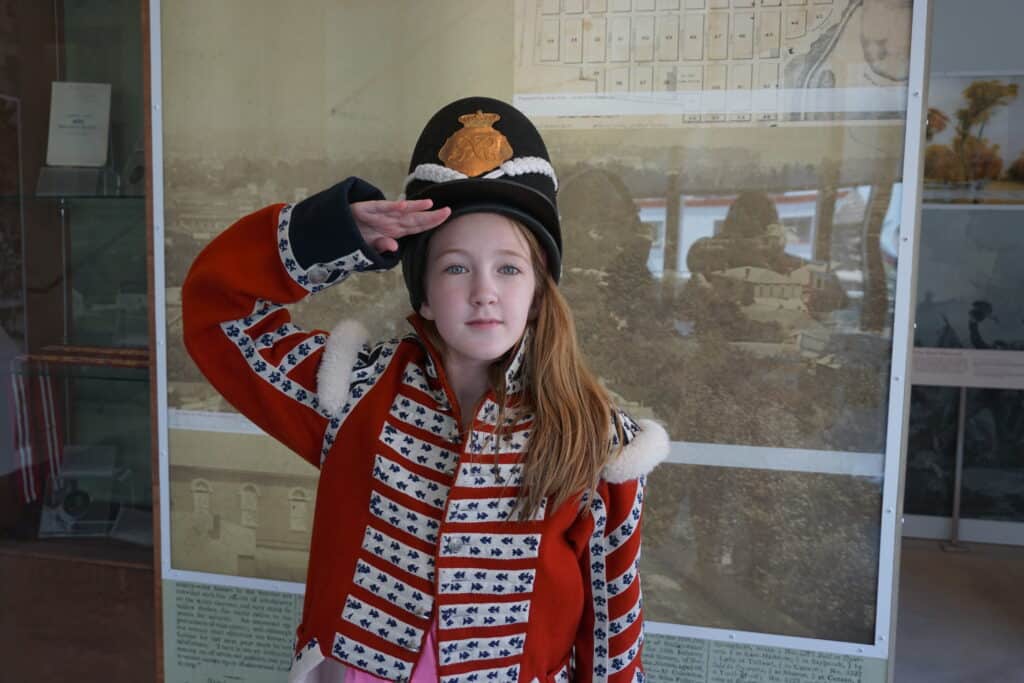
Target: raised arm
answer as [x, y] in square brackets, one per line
[236, 326]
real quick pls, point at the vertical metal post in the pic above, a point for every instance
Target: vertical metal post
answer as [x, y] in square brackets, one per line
[64, 267]
[673, 238]
[954, 544]
[57, 42]
[69, 418]
[23, 246]
[903, 323]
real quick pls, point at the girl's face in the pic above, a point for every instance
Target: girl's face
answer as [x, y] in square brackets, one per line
[479, 285]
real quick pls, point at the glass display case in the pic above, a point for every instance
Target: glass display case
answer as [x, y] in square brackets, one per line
[82, 443]
[967, 408]
[965, 468]
[75, 457]
[76, 498]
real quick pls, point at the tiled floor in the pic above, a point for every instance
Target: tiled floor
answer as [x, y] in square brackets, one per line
[961, 615]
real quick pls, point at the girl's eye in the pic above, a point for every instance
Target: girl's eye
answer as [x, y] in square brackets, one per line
[509, 269]
[455, 269]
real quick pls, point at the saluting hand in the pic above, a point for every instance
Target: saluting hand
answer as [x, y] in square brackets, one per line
[383, 222]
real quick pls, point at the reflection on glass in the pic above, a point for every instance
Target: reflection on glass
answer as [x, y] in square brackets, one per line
[993, 481]
[109, 301]
[74, 405]
[968, 297]
[931, 451]
[755, 329]
[12, 305]
[732, 548]
[770, 311]
[969, 280]
[993, 477]
[82, 444]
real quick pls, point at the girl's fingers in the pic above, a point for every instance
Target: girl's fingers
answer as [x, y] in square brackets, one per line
[410, 223]
[415, 205]
[384, 207]
[397, 219]
[425, 220]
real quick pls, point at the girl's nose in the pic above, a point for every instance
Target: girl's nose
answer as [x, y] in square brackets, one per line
[483, 292]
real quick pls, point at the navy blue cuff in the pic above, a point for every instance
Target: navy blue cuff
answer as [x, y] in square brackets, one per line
[322, 228]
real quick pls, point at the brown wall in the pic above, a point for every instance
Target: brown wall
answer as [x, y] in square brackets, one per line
[75, 620]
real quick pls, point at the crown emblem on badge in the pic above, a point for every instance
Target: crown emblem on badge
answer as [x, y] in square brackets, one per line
[476, 147]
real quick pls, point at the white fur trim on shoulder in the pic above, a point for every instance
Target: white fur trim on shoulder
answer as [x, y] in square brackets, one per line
[641, 455]
[333, 377]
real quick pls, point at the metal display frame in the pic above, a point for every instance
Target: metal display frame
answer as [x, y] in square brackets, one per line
[891, 465]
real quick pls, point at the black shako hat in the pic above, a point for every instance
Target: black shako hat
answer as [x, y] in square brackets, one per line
[475, 155]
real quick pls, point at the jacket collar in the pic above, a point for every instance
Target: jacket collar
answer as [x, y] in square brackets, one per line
[515, 379]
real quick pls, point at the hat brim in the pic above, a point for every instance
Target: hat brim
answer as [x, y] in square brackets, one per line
[513, 199]
[475, 195]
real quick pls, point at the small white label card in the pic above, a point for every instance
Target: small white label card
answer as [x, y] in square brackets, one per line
[79, 124]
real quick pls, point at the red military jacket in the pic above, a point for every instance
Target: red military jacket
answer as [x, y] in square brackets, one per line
[412, 520]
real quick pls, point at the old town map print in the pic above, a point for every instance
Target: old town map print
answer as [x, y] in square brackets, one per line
[665, 62]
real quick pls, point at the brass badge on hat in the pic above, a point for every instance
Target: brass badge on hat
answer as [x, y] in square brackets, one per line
[476, 147]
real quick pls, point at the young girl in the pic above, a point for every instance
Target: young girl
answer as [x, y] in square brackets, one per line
[478, 510]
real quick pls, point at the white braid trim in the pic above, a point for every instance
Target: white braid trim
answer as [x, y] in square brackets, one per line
[436, 173]
[524, 165]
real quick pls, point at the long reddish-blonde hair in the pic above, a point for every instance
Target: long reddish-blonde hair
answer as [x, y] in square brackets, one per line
[573, 416]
